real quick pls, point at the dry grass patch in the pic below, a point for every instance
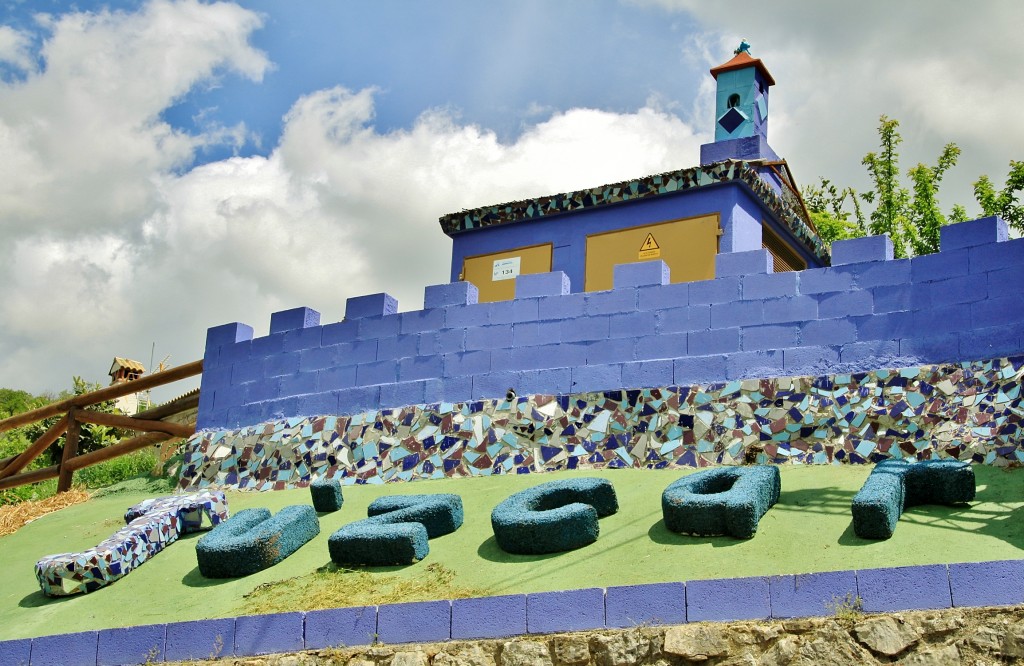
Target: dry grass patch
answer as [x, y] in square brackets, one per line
[334, 587]
[13, 516]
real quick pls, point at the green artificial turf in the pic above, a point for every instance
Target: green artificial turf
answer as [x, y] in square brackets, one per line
[809, 530]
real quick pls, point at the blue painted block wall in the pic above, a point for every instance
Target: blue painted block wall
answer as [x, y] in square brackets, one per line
[867, 312]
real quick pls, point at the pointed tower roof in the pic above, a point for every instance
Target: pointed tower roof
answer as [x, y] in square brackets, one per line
[741, 60]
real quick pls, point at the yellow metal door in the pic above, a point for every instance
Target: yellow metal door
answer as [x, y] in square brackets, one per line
[495, 274]
[688, 246]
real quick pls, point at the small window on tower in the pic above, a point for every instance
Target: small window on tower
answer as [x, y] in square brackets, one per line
[733, 101]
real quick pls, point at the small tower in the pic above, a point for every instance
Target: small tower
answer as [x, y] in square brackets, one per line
[741, 110]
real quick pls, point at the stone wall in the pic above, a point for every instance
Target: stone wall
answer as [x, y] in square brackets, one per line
[975, 637]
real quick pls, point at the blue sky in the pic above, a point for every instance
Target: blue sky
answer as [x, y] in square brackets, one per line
[172, 165]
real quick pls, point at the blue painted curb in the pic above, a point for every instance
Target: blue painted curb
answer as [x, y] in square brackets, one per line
[925, 587]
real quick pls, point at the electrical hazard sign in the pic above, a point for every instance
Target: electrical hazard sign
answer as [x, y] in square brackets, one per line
[650, 249]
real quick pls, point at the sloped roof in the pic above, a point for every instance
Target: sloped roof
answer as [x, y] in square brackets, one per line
[127, 364]
[741, 60]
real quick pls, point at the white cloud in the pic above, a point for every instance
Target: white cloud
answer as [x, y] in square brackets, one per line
[15, 49]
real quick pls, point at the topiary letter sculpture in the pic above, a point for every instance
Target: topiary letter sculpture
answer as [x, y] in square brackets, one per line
[724, 500]
[253, 540]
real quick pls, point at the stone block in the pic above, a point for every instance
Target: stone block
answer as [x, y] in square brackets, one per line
[740, 313]
[692, 370]
[721, 341]
[667, 296]
[268, 634]
[828, 332]
[589, 378]
[727, 599]
[342, 331]
[416, 622]
[227, 334]
[571, 610]
[376, 372]
[750, 262]
[822, 280]
[358, 399]
[633, 605]
[860, 250]
[371, 305]
[131, 645]
[16, 652]
[610, 302]
[808, 595]
[77, 649]
[684, 318]
[771, 336]
[999, 583]
[535, 285]
[939, 266]
[648, 374]
[641, 274]
[302, 338]
[489, 617]
[550, 381]
[982, 231]
[337, 627]
[722, 290]
[770, 285]
[932, 349]
[493, 337]
[850, 304]
[453, 293]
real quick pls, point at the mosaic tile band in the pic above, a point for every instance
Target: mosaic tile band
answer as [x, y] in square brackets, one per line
[641, 188]
[966, 411]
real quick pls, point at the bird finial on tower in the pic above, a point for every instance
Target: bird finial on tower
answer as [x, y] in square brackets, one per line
[743, 47]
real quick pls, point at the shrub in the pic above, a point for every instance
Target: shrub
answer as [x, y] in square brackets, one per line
[725, 500]
[252, 540]
[326, 494]
[397, 530]
[553, 517]
[896, 484]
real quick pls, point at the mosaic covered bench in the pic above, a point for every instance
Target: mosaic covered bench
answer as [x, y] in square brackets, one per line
[727, 500]
[553, 517]
[253, 540]
[895, 485]
[152, 525]
[397, 530]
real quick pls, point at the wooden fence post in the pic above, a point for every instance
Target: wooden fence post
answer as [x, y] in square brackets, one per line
[70, 451]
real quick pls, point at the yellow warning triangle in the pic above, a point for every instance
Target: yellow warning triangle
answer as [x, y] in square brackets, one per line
[650, 243]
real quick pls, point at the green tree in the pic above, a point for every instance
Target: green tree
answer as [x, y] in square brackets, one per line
[90, 438]
[825, 202]
[1004, 202]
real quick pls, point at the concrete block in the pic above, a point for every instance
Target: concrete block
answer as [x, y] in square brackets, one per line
[561, 307]
[264, 389]
[999, 256]
[892, 299]
[640, 274]
[770, 285]
[467, 316]
[992, 342]
[751, 262]
[226, 398]
[610, 302]
[416, 622]
[648, 374]
[904, 588]
[816, 360]
[849, 304]
[268, 634]
[571, 610]
[790, 309]
[214, 378]
[724, 600]
[297, 384]
[489, 617]
[939, 266]
[239, 352]
[466, 363]
[78, 649]
[772, 336]
[247, 371]
[227, 334]
[590, 378]
[372, 305]
[528, 334]
[666, 345]
[495, 384]
[999, 583]
[552, 381]
[744, 148]
[625, 325]
[342, 354]
[302, 338]
[445, 341]
[131, 645]
[420, 367]
[684, 318]
[887, 326]
[418, 321]
[513, 312]
[275, 409]
[965, 289]
[564, 355]
[16, 652]
[341, 627]
[340, 377]
[317, 404]
[492, 337]
[455, 389]
[453, 293]
[722, 290]
[589, 329]
[287, 320]
[200, 639]
[617, 350]
[740, 313]
[755, 364]
[281, 364]
[403, 345]
[870, 355]
[998, 311]
[703, 370]
[719, 341]
[268, 345]
[809, 595]
[822, 280]
[376, 372]
[946, 319]
[378, 326]
[635, 605]
[825, 332]
[860, 250]
[342, 331]
[535, 285]
[358, 398]
[983, 231]
[667, 296]
[879, 274]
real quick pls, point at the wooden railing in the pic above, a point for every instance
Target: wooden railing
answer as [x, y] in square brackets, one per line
[74, 413]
